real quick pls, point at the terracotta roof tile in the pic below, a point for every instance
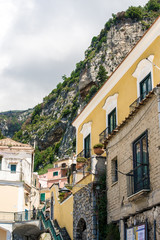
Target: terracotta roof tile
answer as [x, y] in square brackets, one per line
[8, 142]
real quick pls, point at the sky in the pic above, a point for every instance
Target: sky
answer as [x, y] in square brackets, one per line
[42, 40]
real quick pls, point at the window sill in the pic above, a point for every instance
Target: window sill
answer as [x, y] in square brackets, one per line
[114, 183]
[138, 195]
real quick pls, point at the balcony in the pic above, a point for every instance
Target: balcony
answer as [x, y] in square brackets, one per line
[103, 135]
[7, 175]
[19, 216]
[86, 153]
[138, 181]
[138, 101]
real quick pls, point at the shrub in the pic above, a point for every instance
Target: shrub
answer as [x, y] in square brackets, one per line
[102, 74]
[134, 13]
[98, 145]
[153, 5]
[81, 159]
[94, 41]
[91, 93]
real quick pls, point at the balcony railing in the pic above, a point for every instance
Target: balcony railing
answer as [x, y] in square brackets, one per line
[19, 216]
[86, 153]
[137, 101]
[11, 176]
[138, 179]
[103, 135]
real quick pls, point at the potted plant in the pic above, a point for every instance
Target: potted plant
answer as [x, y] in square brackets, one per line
[81, 161]
[98, 149]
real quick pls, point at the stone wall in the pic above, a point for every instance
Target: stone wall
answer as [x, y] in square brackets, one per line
[84, 215]
[120, 206]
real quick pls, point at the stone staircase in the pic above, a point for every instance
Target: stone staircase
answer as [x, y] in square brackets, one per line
[63, 231]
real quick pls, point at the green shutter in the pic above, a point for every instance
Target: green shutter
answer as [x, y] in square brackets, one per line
[43, 197]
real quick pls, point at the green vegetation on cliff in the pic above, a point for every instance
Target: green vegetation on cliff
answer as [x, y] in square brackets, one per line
[50, 123]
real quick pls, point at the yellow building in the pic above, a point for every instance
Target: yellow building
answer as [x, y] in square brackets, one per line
[126, 87]
[125, 90]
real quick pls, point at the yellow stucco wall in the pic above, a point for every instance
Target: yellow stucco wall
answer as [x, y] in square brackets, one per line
[3, 234]
[63, 212]
[9, 201]
[85, 181]
[127, 94]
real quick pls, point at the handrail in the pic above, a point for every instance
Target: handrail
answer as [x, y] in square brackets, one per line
[138, 179]
[86, 153]
[48, 225]
[22, 216]
[138, 101]
[103, 135]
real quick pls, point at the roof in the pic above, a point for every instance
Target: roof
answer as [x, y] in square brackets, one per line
[126, 63]
[9, 143]
[130, 116]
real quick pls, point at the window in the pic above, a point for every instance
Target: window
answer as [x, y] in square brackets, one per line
[42, 197]
[114, 169]
[56, 165]
[35, 182]
[13, 168]
[141, 163]
[87, 147]
[112, 121]
[55, 173]
[63, 165]
[145, 86]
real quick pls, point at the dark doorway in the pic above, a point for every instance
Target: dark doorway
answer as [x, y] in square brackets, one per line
[81, 232]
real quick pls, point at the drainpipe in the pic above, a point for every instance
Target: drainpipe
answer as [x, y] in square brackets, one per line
[157, 92]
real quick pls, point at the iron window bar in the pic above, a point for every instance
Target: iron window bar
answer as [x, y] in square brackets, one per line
[103, 135]
[137, 102]
[138, 179]
[86, 153]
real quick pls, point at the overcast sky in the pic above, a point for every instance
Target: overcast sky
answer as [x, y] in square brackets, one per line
[41, 40]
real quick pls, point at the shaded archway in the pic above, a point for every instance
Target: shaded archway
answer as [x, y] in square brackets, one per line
[81, 231]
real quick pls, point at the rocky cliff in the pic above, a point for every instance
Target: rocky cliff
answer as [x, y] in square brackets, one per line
[49, 125]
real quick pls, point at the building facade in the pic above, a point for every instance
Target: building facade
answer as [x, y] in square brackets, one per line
[16, 167]
[57, 174]
[133, 175]
[131, 85]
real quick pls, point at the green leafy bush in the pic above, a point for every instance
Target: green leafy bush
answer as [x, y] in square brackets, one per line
[98, 145]
[134, 13]
[153, 5]
[91, 93]
[81, 159]
[102, 75]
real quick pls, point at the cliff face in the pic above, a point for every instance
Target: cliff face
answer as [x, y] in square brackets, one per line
[11, 121]
[53, 124]
[119, 41]
[49, 125]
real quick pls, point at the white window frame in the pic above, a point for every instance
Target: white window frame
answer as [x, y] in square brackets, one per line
[110, 105]
[144, 68]
[85, 131]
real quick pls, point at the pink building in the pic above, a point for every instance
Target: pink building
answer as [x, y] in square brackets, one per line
[57, 174]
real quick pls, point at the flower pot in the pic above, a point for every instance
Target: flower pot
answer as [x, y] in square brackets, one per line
[98, 151]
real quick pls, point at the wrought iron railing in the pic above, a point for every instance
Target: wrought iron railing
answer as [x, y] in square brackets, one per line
[86, 153]
[137, 101]
[49, 225]
[103, 135]
[138, 179]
